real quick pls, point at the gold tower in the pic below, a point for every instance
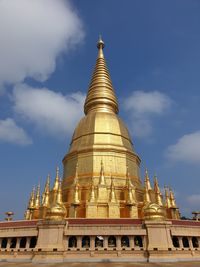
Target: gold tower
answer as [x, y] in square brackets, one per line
[101, 176]
[100, 138]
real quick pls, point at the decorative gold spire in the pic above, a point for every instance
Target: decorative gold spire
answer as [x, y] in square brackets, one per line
[146, 197]
[31, 206]
[59, 194]
[147, 181]
[56, 182]
[92, 192]
[45, 195]
[76, 175]
[37, 198]
[128, 179]
[76, 194]
[131, 198]
[167, 200]
[57, 210]
[157, 192]
[113, 198]
[172, 199]
[101, 94]
[32, 199]
[102, 178]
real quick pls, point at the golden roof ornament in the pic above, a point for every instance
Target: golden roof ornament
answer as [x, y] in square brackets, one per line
[101, 95]
[92, 192]
[147, 180]
[113, 198]
[157, 191]
[56, 182]
[146, 199]
[76, 175]
[32, 199]
[102, 178]
[172, 199]
[57, 210]
[59, 194]
[45, 199]
[156, 185]
[167, 200]
[37, 198]
[76, 200]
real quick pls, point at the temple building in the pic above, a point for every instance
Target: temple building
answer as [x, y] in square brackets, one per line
[101, 208]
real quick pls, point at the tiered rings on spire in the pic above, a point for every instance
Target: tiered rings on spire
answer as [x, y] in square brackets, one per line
[101, 95]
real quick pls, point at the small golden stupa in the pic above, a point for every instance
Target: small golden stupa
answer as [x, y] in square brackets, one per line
[101, 170]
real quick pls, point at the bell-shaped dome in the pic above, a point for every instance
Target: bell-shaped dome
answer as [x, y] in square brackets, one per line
[99, 129]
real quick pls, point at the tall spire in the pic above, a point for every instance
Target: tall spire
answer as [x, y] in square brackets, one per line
[92, 192]
[172, 199]
[167, 200]
[113, 198]
[45, 195]
[56, 182]
[59, 194]
[157, 192]
[37, 198]
[101, 94]
[102, 178]
[146, 197]
[32, 199]
[147, 181]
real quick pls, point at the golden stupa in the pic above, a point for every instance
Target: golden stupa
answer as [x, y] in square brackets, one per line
[101, 177]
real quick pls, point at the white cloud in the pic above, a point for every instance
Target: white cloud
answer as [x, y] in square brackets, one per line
[51, 112]
[187, 149]
[32, 34]
[11, 133]
[143, 106]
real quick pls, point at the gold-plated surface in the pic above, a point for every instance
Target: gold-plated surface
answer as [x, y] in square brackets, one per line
[147, 180]
[172, 199]
[101, 171]
[154, 212]
[101, 96]
[100, 139]
[158, 194]
[167, 200]
[57, 210]
[45, 195]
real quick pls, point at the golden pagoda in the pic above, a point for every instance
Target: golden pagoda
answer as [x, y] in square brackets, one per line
[101, 177]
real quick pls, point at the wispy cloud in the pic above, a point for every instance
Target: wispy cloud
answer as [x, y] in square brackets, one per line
[143, 106]
[51, 112]
[186, 149]
[33, 33]
[10, 132]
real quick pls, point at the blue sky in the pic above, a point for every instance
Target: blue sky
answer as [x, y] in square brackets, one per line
[48, 50]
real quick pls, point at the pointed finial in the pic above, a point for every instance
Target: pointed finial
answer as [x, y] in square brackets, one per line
[56, 182]
[167, 200]
[37, 198]
[102, 178]
[76, 175]
[112, 191]
[128, 179]
[59, 194]
[147, 180]
[100, 44]
[172, 198]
